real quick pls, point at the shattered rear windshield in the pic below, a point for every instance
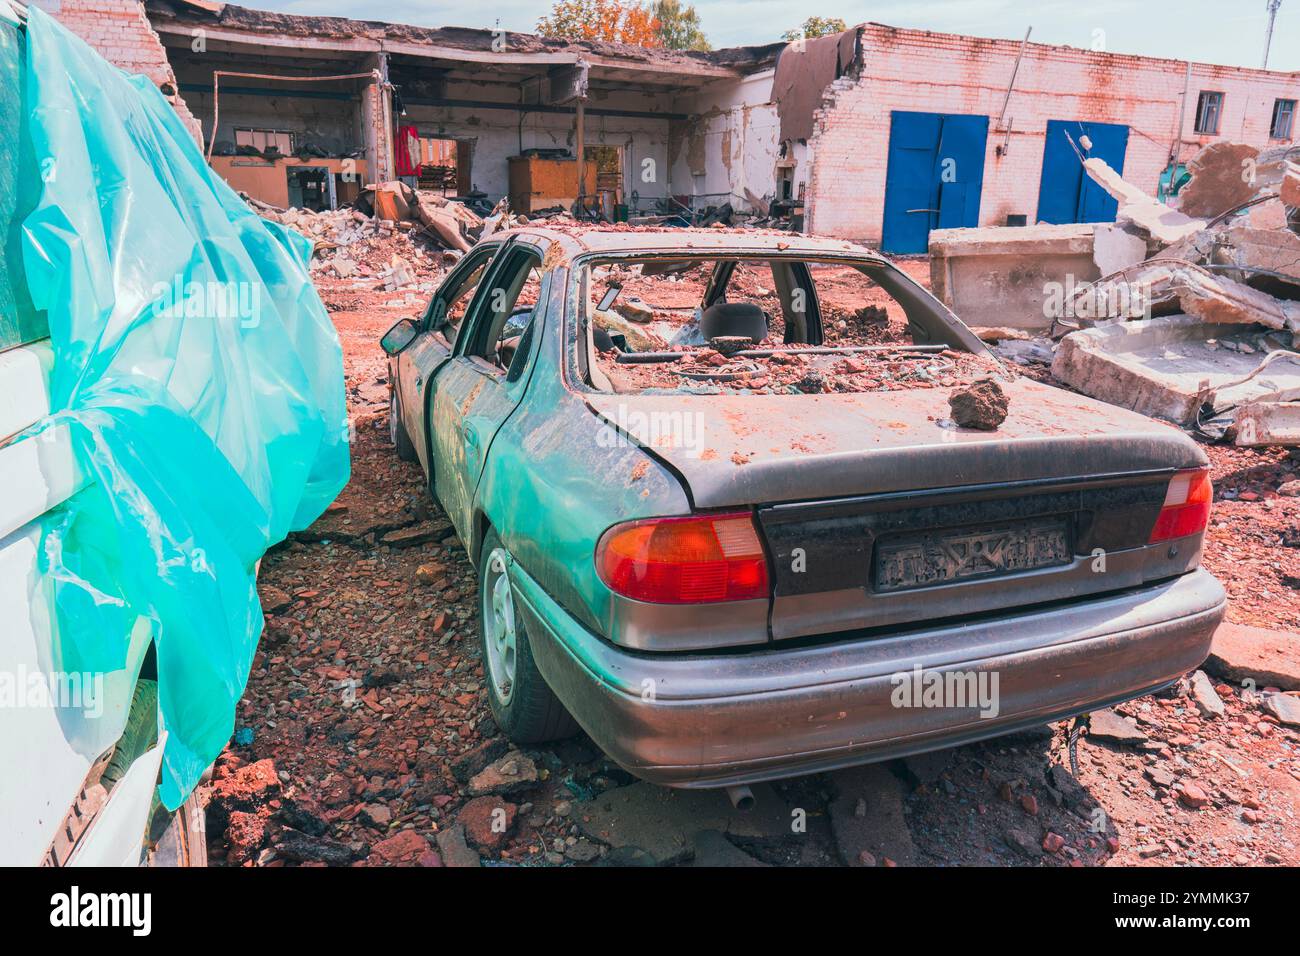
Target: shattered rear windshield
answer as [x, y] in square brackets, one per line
[769, 325]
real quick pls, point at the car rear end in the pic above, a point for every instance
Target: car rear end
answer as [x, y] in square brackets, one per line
[970, 588]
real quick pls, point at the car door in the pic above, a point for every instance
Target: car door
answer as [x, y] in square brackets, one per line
[443, 319]
[478, 388]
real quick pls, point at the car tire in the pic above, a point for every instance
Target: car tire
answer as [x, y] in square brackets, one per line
[396, 431]
[523, 705]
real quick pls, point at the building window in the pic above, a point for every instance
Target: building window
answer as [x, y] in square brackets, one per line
[1208, 109]
[264, 139]
[1283, 110]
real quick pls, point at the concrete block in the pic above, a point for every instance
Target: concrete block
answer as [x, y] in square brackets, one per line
[1008, 276]
[1268, 423]
[1115, 248]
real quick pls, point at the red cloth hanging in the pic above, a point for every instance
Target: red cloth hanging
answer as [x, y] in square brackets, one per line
[406, 152]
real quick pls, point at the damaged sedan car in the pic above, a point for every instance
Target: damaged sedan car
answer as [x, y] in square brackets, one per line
[720, 517]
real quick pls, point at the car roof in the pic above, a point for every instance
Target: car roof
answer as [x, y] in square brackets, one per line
[578, 239]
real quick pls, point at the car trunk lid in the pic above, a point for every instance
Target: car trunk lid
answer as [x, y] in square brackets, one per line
[877, 512]
[739, 449]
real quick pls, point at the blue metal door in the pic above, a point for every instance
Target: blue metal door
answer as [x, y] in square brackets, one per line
[934, 177]
[1067, 193]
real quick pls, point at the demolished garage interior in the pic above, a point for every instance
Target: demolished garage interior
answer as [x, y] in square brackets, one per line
[303, 110]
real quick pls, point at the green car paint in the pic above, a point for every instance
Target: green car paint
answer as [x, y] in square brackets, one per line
[545, 472]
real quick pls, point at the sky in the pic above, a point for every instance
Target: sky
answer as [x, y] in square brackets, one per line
[1211, 32]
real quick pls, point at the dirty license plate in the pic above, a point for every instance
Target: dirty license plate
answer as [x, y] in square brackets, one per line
[953, 554]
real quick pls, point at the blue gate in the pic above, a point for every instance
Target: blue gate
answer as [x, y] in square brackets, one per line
[934, 178]
[1067, 193]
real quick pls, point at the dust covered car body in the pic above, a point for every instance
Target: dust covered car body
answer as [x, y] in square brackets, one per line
[724, 521]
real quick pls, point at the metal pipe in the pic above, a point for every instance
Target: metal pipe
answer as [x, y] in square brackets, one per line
[1012, 82]
[580, 150]
[741, 797]
[1268, 34]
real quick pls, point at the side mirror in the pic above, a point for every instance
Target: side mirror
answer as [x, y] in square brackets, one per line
[399, 336]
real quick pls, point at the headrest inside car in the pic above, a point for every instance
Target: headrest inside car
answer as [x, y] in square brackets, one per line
[734, 318]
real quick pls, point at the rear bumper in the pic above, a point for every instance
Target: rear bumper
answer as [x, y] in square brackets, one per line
[709, 720]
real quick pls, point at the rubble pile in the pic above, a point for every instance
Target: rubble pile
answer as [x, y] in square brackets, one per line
[770, 368]
[866, 346]
[393, 235]
[1201, 325]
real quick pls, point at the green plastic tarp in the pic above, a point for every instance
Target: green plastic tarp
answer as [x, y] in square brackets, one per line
[200, 376]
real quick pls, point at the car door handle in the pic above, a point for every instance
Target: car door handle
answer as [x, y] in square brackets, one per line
[469, 435]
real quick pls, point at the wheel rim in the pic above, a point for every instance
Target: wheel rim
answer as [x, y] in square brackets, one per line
[392, 417]
[499, 629]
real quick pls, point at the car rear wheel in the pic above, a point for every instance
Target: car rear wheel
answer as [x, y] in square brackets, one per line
[524, 707]
[396, 432]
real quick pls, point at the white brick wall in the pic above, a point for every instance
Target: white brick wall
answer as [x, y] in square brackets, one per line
[931, 72]
[119, 31]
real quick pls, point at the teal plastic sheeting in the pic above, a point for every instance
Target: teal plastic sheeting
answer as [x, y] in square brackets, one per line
[19, 322]
[201, 378]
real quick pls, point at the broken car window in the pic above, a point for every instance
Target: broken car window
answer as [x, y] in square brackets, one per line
[778, 325]
[452, 303]
[507, 309]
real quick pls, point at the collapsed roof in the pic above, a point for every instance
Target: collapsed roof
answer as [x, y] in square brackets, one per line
[284, 29]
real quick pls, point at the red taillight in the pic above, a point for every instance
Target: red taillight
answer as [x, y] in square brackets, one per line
[1187, 506]
[692, 560]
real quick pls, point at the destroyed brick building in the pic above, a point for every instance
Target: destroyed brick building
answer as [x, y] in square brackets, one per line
[1002, 110]
[843, 132]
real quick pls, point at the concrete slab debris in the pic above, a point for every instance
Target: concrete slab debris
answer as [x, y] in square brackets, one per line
[1253, 248]
[664, 822]
[1212, 342]
[1275, 379]
[1268, 423]
[1164, 225]
[1161, 367]
[1219, 299]
[867, 817]
[1222, 178]
[1001, 276]
[1117, 247]
[1265, 657]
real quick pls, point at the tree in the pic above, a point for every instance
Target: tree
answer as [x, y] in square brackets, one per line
[615, 21]
[679, 27]
[815, 27]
